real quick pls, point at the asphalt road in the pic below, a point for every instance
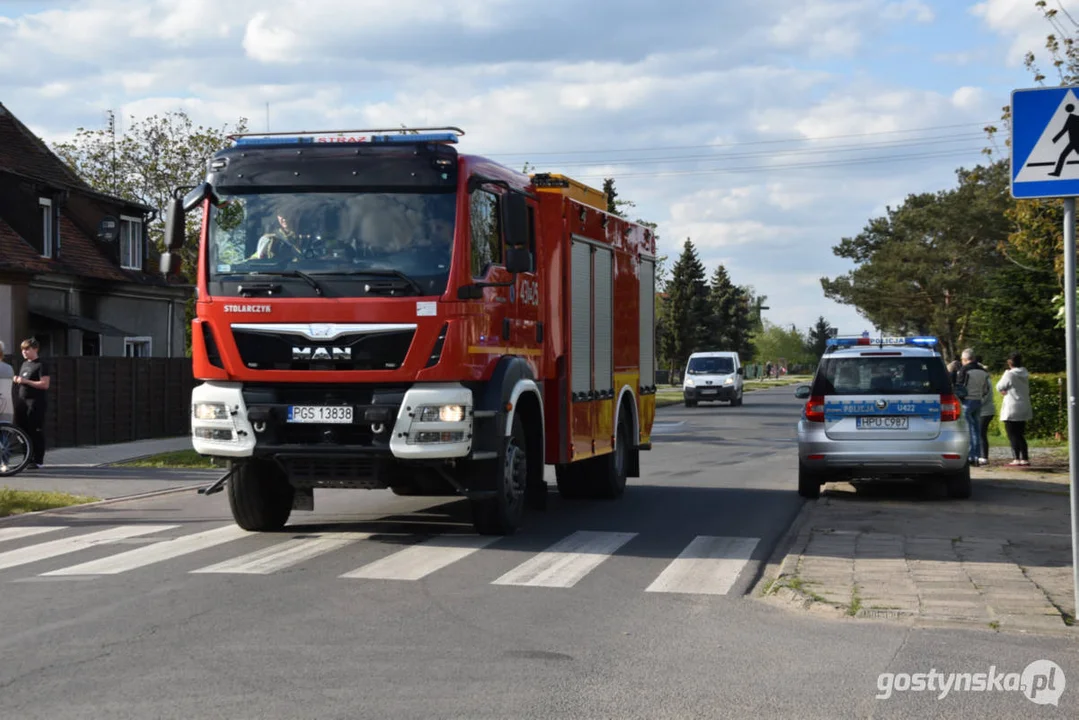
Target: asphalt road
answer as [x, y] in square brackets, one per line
[376, 606]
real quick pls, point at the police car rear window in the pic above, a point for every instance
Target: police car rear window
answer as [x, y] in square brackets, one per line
[859, 375]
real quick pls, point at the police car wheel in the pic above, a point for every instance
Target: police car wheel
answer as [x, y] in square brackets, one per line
[809, 483]
[958, 485]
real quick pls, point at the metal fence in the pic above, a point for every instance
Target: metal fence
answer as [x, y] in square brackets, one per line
[100, 400]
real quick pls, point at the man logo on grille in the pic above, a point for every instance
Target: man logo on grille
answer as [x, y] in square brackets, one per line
[321, 353]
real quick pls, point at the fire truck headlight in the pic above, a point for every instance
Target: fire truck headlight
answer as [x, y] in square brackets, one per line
[442, 413]
[210, 411]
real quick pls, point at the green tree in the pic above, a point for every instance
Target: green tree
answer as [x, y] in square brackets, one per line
[817, 341]
[775, 343]
[147, 163]
[924, 267]
[1016, 314]
[730, 322]
[687, 309]
[614, 205]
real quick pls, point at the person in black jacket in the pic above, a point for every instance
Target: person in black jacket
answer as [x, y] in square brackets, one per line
[31, 399]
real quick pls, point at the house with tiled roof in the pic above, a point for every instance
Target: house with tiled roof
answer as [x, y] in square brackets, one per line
[76, 270]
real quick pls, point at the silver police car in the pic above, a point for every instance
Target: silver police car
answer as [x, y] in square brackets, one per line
[881, 408]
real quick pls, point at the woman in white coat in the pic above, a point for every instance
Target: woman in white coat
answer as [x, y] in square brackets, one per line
[1015, 408]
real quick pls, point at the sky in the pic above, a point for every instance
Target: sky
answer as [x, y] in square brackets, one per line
[763, 131]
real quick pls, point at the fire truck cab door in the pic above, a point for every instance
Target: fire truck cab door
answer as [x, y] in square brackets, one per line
[527, 300]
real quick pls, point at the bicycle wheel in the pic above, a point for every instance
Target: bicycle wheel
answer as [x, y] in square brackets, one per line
[15, 452]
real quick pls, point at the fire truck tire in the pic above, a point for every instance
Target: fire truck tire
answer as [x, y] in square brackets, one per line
[610, 484]
[260, 496]
[502, 514]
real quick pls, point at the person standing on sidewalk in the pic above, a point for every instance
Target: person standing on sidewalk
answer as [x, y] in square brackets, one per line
[7, 399]
[31, 402]
[989, 410]
[975, 379]
[1015, 409]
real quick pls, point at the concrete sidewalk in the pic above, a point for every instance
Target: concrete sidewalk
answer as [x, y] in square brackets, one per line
[96, 455]
[1000, 560]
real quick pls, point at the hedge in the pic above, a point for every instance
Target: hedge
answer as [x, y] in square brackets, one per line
[1047, 396]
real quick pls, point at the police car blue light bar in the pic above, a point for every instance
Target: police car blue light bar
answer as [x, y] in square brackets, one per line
[925, 340]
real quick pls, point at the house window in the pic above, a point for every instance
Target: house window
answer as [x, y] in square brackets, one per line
[48, 228]
[137, 347]
[486, 231]
[130, 242]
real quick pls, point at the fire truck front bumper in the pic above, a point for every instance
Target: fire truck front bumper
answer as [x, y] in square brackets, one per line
[431, 421]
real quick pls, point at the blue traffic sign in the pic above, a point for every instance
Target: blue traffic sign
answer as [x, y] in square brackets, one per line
[1045, 142]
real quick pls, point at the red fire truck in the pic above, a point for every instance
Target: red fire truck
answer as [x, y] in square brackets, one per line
[376, 310]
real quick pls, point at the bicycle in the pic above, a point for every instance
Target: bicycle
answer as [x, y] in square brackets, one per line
[16, 450]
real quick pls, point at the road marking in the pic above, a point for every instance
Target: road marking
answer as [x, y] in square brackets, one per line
[422, 559]
[13, 533]
[285, 554]
[159, 551]
[707, 566]
[567, 561]
[43, 551]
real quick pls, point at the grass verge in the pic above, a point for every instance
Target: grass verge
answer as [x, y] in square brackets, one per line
[188, 459]
[17, 502]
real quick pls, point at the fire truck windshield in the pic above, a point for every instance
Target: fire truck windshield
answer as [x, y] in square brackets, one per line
[362, 242]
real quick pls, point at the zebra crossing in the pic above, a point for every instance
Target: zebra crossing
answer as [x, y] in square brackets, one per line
[707, 565]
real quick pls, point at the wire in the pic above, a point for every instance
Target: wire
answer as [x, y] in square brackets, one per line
[738, 144]
[796, 166]
[774, 153]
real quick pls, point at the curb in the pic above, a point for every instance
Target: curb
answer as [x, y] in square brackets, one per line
[782, 557]
[106, 501]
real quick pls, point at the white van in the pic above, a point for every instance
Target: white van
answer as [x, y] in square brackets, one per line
[712, 376]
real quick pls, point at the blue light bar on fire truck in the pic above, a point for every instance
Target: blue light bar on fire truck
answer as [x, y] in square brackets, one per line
[349, 137]
[854, 341]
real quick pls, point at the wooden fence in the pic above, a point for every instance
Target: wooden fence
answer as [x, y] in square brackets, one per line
[100, 400]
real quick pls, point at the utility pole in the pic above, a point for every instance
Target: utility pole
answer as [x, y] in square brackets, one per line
[761, 306]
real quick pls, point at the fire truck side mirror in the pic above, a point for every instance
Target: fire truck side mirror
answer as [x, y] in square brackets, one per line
[518, 260]
[170, 263]
[175, 227]
[515, 221]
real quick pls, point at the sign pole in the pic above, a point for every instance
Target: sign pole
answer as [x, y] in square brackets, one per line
[1073, 383]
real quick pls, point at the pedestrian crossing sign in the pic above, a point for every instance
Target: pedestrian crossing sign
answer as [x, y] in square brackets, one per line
[1045, 142]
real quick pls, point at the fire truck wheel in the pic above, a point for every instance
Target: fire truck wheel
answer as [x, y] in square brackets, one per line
[260, 496]
[612, 483]
[502, 514]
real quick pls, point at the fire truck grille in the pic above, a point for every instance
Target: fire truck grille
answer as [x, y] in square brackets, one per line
[281, 351]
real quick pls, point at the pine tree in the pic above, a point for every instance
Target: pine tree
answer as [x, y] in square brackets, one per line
[818, 337]
[687, 308]
[730, 322]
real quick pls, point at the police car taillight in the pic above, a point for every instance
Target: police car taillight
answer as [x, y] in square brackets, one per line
[815, 409]
[949, 408]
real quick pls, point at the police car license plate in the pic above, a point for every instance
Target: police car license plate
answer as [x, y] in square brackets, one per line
[883, 422]
[337, 414]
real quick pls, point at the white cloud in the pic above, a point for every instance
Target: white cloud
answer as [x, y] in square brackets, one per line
[1022, 24]
[717, 121]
